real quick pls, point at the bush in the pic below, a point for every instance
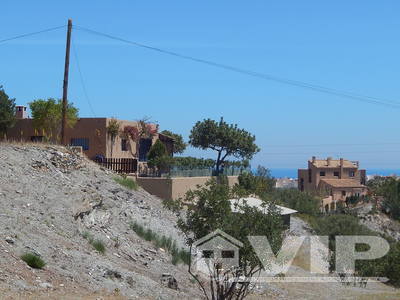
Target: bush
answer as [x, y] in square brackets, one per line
[260, 183]
[127, 182]
[161, 241]
[302, 202]
[99, 246]
[33, 260]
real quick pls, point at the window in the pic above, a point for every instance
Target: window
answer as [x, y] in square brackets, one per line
[343, 193]
[309, 175]
[351, 174]
[83, 142]
[208, 253]
[124, 145]
[322, 173]
[228, 254]
[336, 173]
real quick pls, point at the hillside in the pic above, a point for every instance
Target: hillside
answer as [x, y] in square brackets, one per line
[50, 199]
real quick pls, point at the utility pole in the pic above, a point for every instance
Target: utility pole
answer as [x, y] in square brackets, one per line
[65, 85]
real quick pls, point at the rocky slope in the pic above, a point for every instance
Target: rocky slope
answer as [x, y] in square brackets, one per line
[49, 199]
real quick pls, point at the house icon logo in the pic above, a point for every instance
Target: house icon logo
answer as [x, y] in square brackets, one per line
[215, 250]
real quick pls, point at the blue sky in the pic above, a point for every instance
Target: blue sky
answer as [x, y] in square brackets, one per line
[346, 45]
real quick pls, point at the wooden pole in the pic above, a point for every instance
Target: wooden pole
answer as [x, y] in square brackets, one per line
[65, 85]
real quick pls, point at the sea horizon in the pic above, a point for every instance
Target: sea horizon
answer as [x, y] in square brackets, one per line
[292, 173]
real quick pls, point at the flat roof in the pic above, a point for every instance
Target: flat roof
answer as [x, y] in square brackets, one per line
[260, 204]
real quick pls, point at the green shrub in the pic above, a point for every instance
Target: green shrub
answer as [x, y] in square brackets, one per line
[99, 246]
[161, 241]
[87, 236]
[127, 182]
[33, 260]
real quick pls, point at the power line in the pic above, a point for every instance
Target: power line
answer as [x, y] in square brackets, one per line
[319, 88]
[81, 78]
[31, 33]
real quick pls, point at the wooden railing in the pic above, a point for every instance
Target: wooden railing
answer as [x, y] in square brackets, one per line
[119, 165]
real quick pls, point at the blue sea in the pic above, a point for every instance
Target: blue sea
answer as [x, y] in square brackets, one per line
[292, 173]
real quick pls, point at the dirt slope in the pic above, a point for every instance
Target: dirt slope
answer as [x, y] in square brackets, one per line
[49, 197]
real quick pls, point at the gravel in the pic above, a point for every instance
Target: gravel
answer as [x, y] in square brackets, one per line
[50, 197]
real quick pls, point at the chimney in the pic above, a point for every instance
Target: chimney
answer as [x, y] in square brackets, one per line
[328, 161]
[20, 112]
[341, 162]
[313, 159]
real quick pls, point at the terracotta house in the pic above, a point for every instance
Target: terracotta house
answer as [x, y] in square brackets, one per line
[335, 180]
[91, 134]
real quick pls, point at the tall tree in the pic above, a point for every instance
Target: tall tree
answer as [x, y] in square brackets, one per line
[210, 209]
[179, 144]
[158, 157]
[46, 116]
[7, 112]
[113, 129]
[226, 139]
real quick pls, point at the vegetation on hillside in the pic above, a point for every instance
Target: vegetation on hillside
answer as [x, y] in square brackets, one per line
[33, 260]
[126, 182]
[210, 209]
[161, 241]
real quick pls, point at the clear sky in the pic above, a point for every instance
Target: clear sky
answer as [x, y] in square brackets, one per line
[347, 45]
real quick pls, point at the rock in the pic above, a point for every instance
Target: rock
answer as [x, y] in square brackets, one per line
[130, 281]
[9, 240]
[169, 281]
[112, 274]
[46, 285]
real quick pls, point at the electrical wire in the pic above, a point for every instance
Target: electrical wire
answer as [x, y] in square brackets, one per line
[319, 88]
[81, 79]
[31, 33]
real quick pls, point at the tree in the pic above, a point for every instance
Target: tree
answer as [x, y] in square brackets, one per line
[259, 183]
[7, 112]
[390, 190]
[304, 203]
[179, 144]
[226, 139]
[158, 157]
[113, 130]
[47, 116]
[210, 209]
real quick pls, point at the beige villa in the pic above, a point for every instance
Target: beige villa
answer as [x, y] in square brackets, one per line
[334, 180]
[91, 134]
